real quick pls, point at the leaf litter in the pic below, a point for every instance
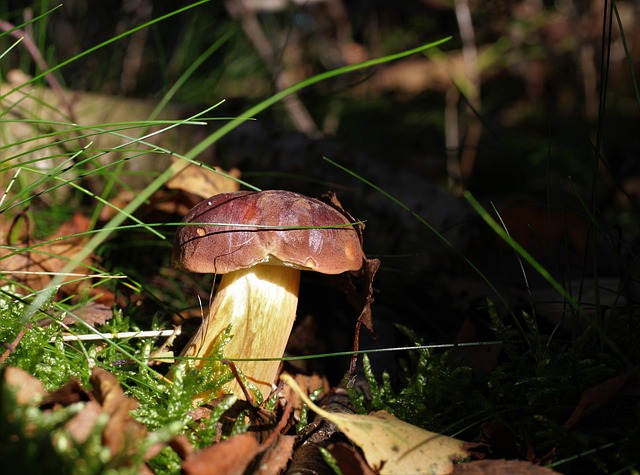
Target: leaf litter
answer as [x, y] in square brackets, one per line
[390, 445]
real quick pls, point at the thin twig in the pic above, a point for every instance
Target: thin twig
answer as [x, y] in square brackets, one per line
[33, 50]
[299, 114]
[119, 335]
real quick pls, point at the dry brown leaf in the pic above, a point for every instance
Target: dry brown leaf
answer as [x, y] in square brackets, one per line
[181, 446]
[501, 467]
[276, 457]
[119, 201]
[122, 432]
[71, 393]
[36, 265]
[391, 445]
[230, 457]
[357, 285]
[162, 201]
[349, 460]
[93, 313]
[80, 426]
[307, 384]
[204, 182]
[597, 396]
[29, 389]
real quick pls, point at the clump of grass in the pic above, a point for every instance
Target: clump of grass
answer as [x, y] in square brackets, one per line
[532, 391]
[429, 392]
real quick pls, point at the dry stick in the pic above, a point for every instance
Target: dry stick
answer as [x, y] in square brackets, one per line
[470, 57]
[236, 374]
[31, 47]
[55, 86]
[251, 26]
[11, 347]
[452, 139]
[132, 62]
[120, 335]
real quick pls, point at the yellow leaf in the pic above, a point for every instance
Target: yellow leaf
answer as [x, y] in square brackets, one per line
[392, 445]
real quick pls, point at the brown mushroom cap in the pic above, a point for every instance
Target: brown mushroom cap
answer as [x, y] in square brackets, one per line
[232, 234]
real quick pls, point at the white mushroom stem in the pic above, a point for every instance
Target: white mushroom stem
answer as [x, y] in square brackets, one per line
[260, 305]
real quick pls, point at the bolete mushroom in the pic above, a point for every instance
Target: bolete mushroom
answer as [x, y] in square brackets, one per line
[259, 242]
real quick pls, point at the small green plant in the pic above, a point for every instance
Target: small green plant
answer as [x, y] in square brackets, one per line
[429, 392]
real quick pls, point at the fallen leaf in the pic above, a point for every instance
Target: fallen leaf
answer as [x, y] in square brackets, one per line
[29, 389]
[181, 445]
[92, 313]
[71, 392]
[391, 445]
[80, 426]
[501, 467]
[230, 457]
[104, 408]
[349, 460]
[275, 459]
[119, 201]
[245, 453]
[357, 285]
[597, 396]
[307, 384]
[204, 182]
[33, 264]
[122, 432]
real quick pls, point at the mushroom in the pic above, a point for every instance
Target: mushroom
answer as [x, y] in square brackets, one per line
[259, 242]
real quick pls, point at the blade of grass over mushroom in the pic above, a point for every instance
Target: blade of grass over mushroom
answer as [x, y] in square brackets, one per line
[71, 163]
[438, 234]
[171, 93]
[111, 128]
[338, 354]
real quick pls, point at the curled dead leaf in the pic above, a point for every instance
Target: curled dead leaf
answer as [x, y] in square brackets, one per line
[29, 389]
[349, 460]
[34, 264]
[390, 445]
[122, 432]
[231, 457]
[307, 384]
[597, 396]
